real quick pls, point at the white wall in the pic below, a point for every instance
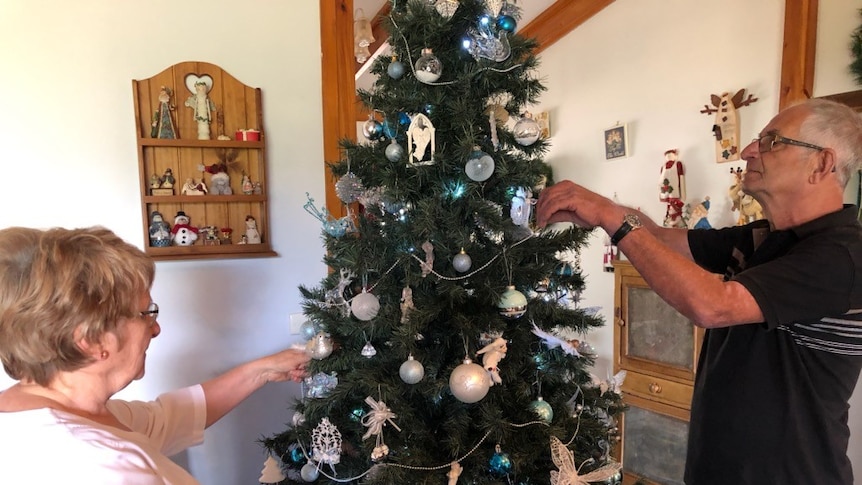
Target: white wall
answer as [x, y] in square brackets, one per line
[654, 64]
[69, 157]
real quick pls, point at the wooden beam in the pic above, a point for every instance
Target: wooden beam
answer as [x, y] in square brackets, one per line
[559, 19]
[797, 60]
[339, 118]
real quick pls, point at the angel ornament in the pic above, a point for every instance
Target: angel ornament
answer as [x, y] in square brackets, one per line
[569, 474]
[420, 135]
[428, 265]
[492, 354]
[522, 207]
[454, 472]
[406, 303]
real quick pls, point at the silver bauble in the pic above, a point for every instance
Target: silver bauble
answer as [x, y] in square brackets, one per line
[365, 306]
[527, 130]
[480, 166]
[462, 262]
[349, 187]
[394, 151]
[469, 382]
[411, 371]
[320, 346]
[309, 472]
[512, 304]
[372, 129]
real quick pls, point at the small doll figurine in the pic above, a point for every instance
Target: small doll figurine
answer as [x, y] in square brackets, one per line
[183, 233]
[251, 233]
[160, 231]
[168, 180]
[163, 123]
[493, 354]
[247, 187]
[203, 107]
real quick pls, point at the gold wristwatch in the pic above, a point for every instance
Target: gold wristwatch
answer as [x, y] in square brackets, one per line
[630, 223]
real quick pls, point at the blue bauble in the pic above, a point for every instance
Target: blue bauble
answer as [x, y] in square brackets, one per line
[309, 472]
[308, 330]
[390, 130]
[500, 464]
[395, 69]
[404, 119]
[507, 23]
[295, 455]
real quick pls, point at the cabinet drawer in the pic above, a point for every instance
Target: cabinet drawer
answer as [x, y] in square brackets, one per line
[658, 389]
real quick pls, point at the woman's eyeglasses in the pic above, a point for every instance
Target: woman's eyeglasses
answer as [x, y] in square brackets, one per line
[151, 313]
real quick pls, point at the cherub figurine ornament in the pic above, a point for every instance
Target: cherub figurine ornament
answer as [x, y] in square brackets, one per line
[494, 352]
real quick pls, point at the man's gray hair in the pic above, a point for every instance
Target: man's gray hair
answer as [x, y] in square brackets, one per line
[836, 126]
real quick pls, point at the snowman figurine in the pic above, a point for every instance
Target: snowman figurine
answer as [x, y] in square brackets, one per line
[183, 233]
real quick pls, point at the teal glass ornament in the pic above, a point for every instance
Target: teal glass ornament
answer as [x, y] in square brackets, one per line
[295, 455]
[500, 464]
[542, 409]
[507, 23]
[357, 414]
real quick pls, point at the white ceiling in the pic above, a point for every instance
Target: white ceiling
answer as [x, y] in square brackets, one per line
[530, 9]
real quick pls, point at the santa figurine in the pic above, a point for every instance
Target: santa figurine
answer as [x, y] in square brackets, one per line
[183, 234]
[672, 188]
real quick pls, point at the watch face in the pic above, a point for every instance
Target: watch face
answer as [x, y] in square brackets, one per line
[632, 220]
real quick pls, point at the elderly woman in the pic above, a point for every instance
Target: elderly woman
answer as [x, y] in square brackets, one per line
[76, 319]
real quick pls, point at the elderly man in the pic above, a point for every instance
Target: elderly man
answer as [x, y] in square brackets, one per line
[781, 300]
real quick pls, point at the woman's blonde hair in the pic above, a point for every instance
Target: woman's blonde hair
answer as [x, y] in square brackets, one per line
[58, 286]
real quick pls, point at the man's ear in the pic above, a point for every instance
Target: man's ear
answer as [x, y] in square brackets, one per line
[825, 165]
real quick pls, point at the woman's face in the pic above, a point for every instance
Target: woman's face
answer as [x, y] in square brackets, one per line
[135, 334]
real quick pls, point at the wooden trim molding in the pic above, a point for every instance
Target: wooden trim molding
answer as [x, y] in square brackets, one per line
[559, 19]
[797, 60]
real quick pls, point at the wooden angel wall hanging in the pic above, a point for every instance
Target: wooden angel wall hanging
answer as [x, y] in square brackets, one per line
[726, 127]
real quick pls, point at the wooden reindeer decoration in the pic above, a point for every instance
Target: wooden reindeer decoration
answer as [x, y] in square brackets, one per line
[726, 127]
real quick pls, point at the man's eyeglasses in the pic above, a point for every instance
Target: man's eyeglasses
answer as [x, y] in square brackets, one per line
[151, 313]
[767, 142]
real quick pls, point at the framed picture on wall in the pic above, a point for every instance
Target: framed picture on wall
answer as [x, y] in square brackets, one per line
[616, 142]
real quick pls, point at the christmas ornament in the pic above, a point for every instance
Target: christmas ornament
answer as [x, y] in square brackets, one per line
[526, 130]
[469, 382]
[298, 417]
[512, 304]
[428, 265]
[308, 330]
[393, 151]
[462, 262]
[447, 8]
[480, 165]
[455, 471]
[482, 42]
[493, 7]
[500, 464]
[552, 341]
[522, 207]
[492, 354]
[295, 455]
[421, 135]
[320, 346]
[568, 473]
[372, 129]
[365, 306]
[326, 443]
[565, 268]
[375, 420]
[406, 303]
[428, 67]
[349, 187]
[411, 371]
[357, 414]
[390, 129]
[612, 384]
[271, 472]
[309, 472]
[333, 227]
[395, 69]
[507, 23]
[319, 385]
[368, 351]
[335, 296]
[542, 409]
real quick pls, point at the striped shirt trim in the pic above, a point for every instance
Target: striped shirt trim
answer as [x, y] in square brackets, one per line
[833, 335]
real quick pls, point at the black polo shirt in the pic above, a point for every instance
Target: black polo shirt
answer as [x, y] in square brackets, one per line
[770, 400]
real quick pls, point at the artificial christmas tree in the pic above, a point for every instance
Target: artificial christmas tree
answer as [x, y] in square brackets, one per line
[438, 339]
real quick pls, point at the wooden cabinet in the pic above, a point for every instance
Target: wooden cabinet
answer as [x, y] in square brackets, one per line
[237, 109]
[658, 348]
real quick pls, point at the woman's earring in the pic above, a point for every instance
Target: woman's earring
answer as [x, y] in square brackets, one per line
[104, 355]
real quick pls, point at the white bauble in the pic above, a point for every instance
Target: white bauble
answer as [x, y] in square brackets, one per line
[365, 306]
[411, 371]
[480, 166]
[309, 472]
[462, 262]
[469, 382]
[512, 304]
[527, 130]
[320, 346]
[394, 151]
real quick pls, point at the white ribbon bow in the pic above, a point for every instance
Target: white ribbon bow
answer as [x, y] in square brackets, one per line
[377, 418]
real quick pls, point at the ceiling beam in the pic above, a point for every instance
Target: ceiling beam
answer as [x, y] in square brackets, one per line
[559, 19]
[797, 57]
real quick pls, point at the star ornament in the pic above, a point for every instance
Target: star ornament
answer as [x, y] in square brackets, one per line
[568, 473]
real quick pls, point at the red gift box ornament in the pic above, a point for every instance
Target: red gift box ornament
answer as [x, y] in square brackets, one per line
[248, 135]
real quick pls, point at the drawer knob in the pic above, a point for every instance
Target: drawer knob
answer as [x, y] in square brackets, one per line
[655, 388]
[621, 322]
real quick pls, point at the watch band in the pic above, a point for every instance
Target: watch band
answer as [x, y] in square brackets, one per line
[630, 223]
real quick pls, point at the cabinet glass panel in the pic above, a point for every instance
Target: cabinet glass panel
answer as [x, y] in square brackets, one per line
[654, 446]
[657, 332]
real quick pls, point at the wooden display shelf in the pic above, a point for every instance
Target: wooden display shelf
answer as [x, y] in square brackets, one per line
[199, 251]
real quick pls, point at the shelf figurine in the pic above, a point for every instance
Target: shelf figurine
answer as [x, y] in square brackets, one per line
[183, 233]
[160, 231]
[726, 126]
[672, 189]
[202, 105]
[163, 122]
[252, 236]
